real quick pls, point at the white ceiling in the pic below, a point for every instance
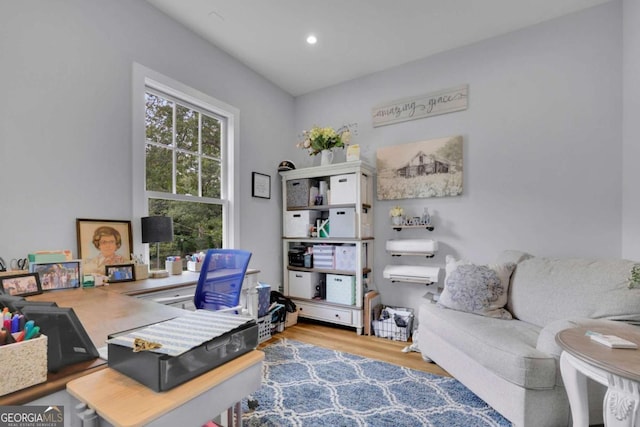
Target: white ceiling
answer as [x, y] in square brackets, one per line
[355, 37]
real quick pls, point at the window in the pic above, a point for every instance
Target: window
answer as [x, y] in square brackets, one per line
[187, 158]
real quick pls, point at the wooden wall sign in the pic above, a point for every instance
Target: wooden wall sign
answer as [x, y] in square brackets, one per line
[432, 104]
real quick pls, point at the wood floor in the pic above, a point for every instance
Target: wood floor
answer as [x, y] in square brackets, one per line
[347, 341]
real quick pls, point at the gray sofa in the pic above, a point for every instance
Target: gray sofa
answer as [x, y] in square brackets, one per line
[513, 365]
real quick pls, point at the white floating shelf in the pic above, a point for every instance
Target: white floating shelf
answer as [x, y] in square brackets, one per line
[413, 247]
[421, 274]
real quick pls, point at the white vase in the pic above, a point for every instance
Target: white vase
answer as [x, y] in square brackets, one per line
[326, 157]
[396, 220]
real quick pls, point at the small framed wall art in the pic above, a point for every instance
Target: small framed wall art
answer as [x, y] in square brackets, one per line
[261, 185]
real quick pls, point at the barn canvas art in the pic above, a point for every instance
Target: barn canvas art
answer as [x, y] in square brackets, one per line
[422, 169]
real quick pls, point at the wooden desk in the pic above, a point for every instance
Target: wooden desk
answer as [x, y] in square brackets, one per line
[618, 369]
[146, 286]
[140, 287]
[101, 313]
[125, 402]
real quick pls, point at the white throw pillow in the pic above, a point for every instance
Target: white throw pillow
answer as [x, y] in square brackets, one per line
[478, 289]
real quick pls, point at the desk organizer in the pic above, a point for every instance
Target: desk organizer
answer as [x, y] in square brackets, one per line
[174, 267]
[194, 266]
[161, 372]
[23, 364]
[142, 271]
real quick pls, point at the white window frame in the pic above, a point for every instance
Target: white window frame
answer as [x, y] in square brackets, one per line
[144, 78]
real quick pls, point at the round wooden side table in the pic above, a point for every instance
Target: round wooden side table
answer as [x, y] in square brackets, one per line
[616, 368]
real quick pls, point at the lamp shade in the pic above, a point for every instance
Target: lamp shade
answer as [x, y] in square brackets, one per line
[157, 229]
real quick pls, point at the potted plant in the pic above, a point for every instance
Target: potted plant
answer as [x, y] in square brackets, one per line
[323, 140]
[396, 213]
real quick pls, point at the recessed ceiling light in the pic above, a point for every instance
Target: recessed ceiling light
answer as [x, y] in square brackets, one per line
[311, 39]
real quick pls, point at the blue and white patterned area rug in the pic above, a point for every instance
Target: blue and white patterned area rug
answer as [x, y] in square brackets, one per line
[304, 385]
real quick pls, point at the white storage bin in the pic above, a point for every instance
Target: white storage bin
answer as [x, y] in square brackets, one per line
[345, 256]
[343, 189]
[342, 222]
[302, 284]
[341, 289]
[298, 223]
[323, 256]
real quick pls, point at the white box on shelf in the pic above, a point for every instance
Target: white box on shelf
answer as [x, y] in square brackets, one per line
[341, 289]
[343, 189]
[345, 256]
[342, 222]
[302, 284]
[323, 256]
[298, 223]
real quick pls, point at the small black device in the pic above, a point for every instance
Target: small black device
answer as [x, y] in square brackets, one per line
[68, 342]
[9, 301]
[296, 256]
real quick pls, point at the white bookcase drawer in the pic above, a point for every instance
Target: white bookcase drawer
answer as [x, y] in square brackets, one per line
[329, 314]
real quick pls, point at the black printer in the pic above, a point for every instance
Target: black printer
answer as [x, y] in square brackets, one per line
[296, 255]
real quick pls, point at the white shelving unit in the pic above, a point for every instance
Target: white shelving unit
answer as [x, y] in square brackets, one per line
[350, 184]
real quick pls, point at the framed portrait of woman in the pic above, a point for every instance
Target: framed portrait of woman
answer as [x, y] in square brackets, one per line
[103, 242]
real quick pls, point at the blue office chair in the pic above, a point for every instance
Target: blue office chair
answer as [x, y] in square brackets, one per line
[220, 281]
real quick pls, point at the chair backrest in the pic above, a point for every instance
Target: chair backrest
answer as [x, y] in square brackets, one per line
[221, 278]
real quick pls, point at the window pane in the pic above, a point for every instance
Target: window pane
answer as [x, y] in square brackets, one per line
[210, 178]
[186, 129]
[159, 168]
[210, 136]
[159, 119]
[186, 174]
[196, 227]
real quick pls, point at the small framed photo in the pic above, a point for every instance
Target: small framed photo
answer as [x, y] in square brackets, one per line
[261, 185]
[58, 275]
[21, 284]
[120, 273]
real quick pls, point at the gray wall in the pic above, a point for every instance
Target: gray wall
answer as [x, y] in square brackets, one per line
[631, 130]
[65, 132]
[549, 164]
[542, 142]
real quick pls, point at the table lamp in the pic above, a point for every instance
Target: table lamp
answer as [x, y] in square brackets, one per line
[156, 229]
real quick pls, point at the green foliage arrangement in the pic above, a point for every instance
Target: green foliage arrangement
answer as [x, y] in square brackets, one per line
[318, 139]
